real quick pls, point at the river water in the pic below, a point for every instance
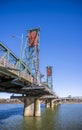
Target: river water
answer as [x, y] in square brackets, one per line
[62, 117]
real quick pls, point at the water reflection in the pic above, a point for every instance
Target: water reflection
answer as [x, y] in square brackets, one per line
[10, 112]
[47, 121]
[32, 123]
[62, 117]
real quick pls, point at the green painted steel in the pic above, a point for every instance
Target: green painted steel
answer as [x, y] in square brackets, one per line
[7, 54]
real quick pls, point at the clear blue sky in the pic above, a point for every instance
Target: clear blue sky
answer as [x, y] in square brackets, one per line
[60, 22]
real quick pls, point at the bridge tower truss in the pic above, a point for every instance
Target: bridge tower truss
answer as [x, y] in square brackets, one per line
[33, 52]
[49, 76]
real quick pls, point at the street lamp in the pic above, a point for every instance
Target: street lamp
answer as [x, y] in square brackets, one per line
[20, 37]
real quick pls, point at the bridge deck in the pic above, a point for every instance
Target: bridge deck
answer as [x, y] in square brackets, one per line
[10, 82]
[14, 80]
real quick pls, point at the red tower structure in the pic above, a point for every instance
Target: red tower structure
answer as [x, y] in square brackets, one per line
[49, 76]
[33, 52]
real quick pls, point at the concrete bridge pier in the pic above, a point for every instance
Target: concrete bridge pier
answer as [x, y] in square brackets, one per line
[49, 103]
[37, 109]
[55, 103]
[32, 106]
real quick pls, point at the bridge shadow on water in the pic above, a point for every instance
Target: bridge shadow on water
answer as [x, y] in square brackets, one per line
[47, 121]
[8, 112]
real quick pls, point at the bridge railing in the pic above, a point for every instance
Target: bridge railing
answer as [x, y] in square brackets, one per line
[15, 70]
[9, 61]
[6, 63]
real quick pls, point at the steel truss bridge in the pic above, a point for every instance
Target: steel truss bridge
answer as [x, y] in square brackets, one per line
[16, 76]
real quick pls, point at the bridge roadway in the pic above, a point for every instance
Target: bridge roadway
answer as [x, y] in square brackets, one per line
[16, 77]
[14, 80]
[10, 82]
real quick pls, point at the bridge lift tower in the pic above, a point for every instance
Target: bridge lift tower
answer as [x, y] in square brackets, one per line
[49, 76]
[32, 52]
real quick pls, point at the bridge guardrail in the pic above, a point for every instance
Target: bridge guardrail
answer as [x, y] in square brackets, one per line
[5, 63]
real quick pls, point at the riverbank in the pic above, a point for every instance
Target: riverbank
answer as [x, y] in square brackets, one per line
[10, 101]
[72, 103]
[17, 101]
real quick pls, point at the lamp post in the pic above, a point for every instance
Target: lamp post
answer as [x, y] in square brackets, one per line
[20, 37]
[21, 48]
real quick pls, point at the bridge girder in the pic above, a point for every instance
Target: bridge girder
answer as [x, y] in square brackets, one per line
[16, 79]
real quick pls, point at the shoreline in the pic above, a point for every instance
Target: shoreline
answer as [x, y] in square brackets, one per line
[72, 103]
[17, 101]
[10, 101]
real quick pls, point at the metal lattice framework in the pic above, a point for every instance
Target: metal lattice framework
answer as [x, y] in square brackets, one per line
[10, 61]
[23, 76]
[32, 52]
[16, 77]
[49, 76]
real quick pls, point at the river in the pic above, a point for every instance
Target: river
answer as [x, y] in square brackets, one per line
[62, 117]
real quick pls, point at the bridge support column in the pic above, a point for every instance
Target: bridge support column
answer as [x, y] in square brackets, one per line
[55, 103]
[28, 106]
[37, 110]
[31, 107]
[50, 103]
